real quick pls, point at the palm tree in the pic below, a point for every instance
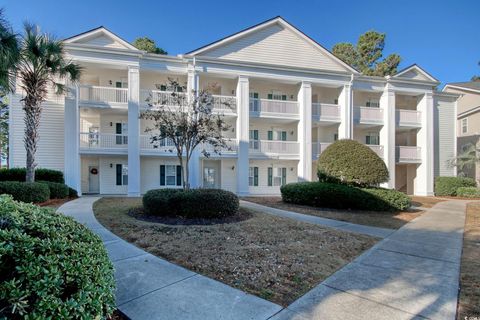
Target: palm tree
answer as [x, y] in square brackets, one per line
[9, 53]
[41, 65]
[469, 157]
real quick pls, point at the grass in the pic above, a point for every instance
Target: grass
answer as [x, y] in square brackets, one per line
[391, 220]
[469, 297]
[275, 258]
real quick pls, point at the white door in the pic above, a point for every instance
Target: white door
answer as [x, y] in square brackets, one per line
[93, 180]
[209, 179]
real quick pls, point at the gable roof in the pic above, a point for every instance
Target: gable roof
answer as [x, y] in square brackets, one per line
[100, 36]
[469, 85]
[226, 45]
[415, 72]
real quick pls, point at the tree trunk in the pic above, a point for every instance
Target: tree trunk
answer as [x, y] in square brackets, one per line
[32, 122]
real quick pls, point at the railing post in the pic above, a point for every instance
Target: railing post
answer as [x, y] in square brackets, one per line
[133, 131]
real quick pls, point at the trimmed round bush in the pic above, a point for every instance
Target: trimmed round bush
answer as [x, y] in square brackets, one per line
[51, 267]
[41, 174]
[57, 190]
[351, 162]
[342, 196]
[72, 193]
[448, 186]
[194, 203]
[468, 192]
[35, 192]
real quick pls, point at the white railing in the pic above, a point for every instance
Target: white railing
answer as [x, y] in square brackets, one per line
[163, 98]
[408, 117]
[368, 114]
[325, 111]
[98, 94]
[224, 104]
[260, 106]
[408, 154]
[232, 147]
[103, 141]
[162, 146]
[378, 149]
[272, 146]
[319, 147]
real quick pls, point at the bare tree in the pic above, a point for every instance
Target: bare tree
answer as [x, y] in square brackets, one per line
[184, 121]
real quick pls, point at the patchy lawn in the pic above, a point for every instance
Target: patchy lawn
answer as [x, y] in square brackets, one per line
[275, 258]
[469, 297]
[392, 220]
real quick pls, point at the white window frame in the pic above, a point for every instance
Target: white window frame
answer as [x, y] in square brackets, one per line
[372, 103]
[168, 167]
[277, 176]
[251, 176]
[124, 174]
[464, 125]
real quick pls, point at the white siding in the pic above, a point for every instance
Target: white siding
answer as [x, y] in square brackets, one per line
[263, 165]
[444, 133]
[150, 171]
[229, 176]
[102, 41]
[108, 175]
[85, 163]
[276, 45]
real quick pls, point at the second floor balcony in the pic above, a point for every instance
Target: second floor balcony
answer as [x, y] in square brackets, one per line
[267, 148]
[273, 108]
[408, 118]
[368, 115]
[408, 154]
[325, 112]
[97, 95]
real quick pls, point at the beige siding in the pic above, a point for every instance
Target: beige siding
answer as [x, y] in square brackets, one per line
[229, 176]
[444, 135]
[467, 101]
[276, 45]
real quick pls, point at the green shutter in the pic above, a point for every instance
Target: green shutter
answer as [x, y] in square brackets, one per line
[255, 176]
[162, 175]
[367, 140]
[270, 135]
[163, 87]
[335, 136]
[255, 95]
[270, 176]
[284, 176]
[179, 175]
[284, 135]
[270, 96]
[284, 97]
[118, 167]
[255, 134]
[118, 130]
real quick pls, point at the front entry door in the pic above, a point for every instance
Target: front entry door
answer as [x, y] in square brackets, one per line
[93, 180]
[209, 179]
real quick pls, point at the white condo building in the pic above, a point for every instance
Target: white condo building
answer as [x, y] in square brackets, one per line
[291, 98]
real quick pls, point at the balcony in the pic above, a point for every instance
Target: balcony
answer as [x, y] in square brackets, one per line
[103, 142]
[273, 108]
[318, 148]
[95, 95]
[289, 149]
[231, 150]
[408, 118]
[156, 97]
[224, 104]
[325, 112]
[368, 115]
[378, 149]
[407, 154]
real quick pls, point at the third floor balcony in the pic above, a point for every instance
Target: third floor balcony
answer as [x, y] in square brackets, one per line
[273, 108]
[325, 112]
[368, 115]
[267, 148]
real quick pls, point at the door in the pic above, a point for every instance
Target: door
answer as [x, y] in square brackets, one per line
[209, 177]
[93, 180]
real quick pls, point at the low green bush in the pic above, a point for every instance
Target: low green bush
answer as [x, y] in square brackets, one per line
[41, 174]
[468, 192]
[447, 186]
[51, 267]
[57, 190]
[35, 192]
[72, 193]
[195, 203]
[341, 196]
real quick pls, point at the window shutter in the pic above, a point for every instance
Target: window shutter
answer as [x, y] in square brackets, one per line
[255, 176]
[270, 96]
[118, 130]
[367, 140]
[179, 175]
[284, 176]
[270, 176]
[270, 135]
[162, 175]
[335, 136]
[255, 95]
[255, 134]
[163, 87]
[119, 174]
[284, 135]
[284, 97]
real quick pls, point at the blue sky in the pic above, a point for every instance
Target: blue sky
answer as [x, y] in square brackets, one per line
[441, 36]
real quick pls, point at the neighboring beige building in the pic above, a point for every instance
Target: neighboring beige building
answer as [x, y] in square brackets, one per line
[468, 120]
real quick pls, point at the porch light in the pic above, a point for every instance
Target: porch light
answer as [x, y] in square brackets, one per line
[111, 165]
[233, 168]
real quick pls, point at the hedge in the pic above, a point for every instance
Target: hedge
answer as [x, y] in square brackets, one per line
[447, 186]
[195, 203]
[57, 190]
[341, 196]
[351, 162]
[468, 192]
[26, 191]
[51, 266]
[18, 174]
[72, 193]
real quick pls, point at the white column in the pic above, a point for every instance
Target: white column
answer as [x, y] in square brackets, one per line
[305, 132]
[424, 179]
[194, 165]
[243, 127]
[387, 133]
[72, 142]
[345, 101]
[133, 131]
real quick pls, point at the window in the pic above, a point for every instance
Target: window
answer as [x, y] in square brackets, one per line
[335, 136]
[277, 135]
[372, 138]
[277, 176]
[123, 83]
[253, 176]
[170, 175]
[172, 88]
[276, 95]
[464, 125]
[372, 103]
[253, 144]
[121, 130]
[254, 102]
[122, 174]
[335, 101]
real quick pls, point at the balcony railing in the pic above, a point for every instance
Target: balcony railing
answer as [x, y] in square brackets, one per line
[232, 148]
[104, 95]
[93, 141]
[224, 104]
[368, 115]
[261, 107]
[325, 112]
[378, 149]
[408, 118]
[408, 154]
[318, 148]
[164, 145]
[274, 147]
[164, 98]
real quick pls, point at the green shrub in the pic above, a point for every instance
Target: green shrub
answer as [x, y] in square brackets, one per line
[18, 174]
[468, 192]
[57, 190]
[51, 267]
[26, 191]
[195, 203]
[447, 186]
[351, 162]
[341, 196]
[72, 193]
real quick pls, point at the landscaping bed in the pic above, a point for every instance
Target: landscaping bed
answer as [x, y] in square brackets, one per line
[392, 220]
[275, 258]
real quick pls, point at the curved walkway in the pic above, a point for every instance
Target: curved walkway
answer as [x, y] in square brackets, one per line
[412, 273]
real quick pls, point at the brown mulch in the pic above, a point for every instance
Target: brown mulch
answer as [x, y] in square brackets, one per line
[275, 258]
[469, 297]
[55, 203]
